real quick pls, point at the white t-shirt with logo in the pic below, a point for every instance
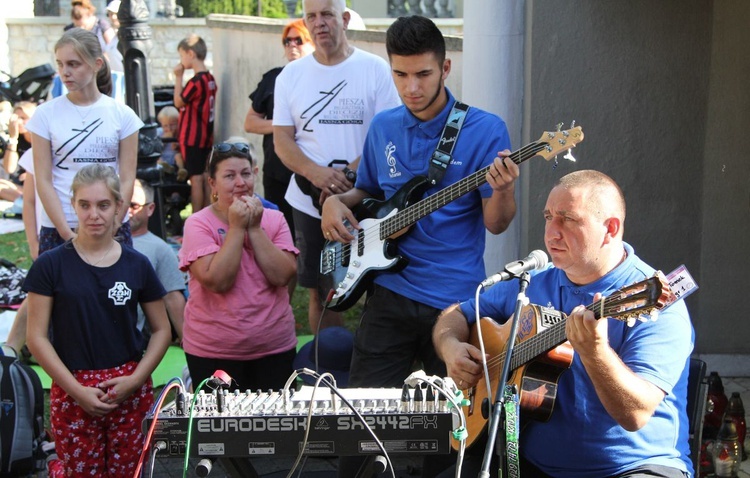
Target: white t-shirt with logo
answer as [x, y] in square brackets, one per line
[80, 136]
[331, 108]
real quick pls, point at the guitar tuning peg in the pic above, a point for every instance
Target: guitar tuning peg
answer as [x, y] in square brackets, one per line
[573, 124]
[559, 127]
[569, 156]
[654, 315]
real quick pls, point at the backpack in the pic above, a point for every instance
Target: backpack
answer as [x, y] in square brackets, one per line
[11, 280]
[21, 418]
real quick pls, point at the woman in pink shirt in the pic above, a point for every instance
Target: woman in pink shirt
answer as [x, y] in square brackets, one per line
[240, 257]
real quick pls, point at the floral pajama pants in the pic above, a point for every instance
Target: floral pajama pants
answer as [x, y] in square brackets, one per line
[108, 446]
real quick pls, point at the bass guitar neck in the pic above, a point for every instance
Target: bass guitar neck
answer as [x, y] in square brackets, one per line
[351, 267]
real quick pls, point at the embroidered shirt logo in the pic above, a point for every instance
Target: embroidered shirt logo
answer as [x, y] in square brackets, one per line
[391, 160]
[120, 293]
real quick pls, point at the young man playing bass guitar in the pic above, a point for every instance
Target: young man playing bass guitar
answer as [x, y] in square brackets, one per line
[445, 248]
[620, 408]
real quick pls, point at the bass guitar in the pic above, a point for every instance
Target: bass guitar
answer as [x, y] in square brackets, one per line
[541, 352]
[351, 267]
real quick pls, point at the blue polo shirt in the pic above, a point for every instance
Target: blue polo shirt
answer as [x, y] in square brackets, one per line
[445, 249]
[581, 439]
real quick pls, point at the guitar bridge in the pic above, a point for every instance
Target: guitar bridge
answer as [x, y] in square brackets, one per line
[328, 261]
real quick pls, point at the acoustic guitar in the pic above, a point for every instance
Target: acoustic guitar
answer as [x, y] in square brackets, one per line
[351, 267]
[541, 352]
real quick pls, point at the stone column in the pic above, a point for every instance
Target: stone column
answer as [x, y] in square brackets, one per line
[493, 79]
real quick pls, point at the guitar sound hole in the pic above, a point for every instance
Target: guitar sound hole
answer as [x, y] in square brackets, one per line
[486, 408]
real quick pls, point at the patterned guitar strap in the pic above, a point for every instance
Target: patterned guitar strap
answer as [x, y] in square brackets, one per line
[512, 427]
[441, 158]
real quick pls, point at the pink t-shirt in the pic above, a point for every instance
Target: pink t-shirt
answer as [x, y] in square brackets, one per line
[251, 320]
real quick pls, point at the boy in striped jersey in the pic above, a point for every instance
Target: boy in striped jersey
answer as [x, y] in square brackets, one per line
[196, 102]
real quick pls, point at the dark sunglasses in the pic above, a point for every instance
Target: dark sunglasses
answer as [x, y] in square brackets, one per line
[224, 148]
[228, 147]
[297, 41]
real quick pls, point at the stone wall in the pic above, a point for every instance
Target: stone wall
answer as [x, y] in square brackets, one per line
[31, 42]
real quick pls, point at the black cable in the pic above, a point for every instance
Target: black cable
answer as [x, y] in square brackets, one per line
[327, 302]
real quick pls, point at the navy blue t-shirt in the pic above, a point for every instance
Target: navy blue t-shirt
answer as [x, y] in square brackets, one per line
[94, 311]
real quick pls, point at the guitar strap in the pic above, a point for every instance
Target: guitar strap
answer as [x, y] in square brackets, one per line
[441, 158]
[512, 427]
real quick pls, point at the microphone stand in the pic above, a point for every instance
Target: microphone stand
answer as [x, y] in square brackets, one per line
[497, 408]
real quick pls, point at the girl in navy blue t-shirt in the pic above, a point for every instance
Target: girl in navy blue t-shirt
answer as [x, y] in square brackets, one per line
[82, 329]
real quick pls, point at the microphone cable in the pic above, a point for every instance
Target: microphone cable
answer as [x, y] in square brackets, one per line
[477, 320]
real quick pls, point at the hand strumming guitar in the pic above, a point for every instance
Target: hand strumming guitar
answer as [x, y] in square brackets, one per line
[337, 210]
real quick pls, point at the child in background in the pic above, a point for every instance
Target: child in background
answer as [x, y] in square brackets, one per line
[169, 118]
[196, 104]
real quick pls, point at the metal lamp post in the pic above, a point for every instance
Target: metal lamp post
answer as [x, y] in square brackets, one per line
[134, 43]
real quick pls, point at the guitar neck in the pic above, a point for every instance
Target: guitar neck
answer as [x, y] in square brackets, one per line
[540, 343]
[553, 336]
[422, 208]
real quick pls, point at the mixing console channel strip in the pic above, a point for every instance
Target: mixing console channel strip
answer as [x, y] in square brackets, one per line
[274, 423]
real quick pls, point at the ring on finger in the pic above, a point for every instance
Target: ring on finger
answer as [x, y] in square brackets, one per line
[333, 186]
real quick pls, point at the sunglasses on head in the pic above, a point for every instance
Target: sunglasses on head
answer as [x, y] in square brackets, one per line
[225, 148]
[228, 147]
[296, 40]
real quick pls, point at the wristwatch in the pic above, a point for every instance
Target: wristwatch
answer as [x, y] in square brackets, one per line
[351, 175]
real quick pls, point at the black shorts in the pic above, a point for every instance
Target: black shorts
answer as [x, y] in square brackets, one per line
[195, 159]
[310, 241]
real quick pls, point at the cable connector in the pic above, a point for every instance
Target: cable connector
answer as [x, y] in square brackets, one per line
[416, 378]
[460, 434]
[160, 445]
[219, 379]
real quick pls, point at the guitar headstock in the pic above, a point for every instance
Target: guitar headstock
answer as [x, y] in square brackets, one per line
[558, 141]
[640, 301]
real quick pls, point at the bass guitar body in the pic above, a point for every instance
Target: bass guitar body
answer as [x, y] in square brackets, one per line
[536, 379]
[353, 266]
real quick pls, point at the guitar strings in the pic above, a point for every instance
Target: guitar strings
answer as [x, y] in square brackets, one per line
[395, 224]
[546, 340]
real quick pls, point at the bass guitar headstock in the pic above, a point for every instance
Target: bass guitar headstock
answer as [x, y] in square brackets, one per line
[558, 141]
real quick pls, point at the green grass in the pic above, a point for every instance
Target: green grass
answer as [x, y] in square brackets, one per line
[13, 247]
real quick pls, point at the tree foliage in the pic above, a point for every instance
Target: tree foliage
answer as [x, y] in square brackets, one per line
[201, 8]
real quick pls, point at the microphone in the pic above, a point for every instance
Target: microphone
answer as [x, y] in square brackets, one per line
[536, 260]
